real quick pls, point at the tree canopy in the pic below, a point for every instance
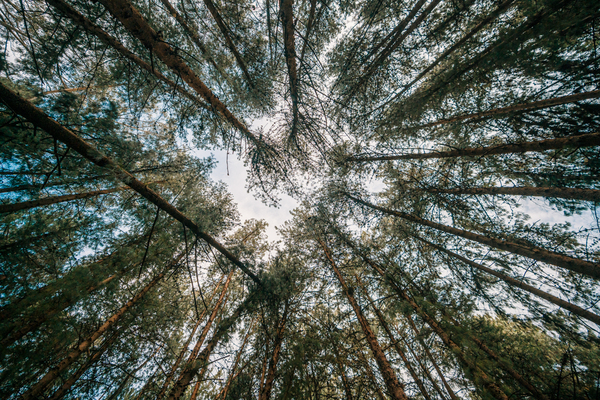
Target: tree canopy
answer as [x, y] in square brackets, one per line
[445, 156]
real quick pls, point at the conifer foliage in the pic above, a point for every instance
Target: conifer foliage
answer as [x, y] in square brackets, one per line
[444, 156]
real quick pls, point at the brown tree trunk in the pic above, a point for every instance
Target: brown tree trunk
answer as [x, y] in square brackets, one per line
[590, 316]
[476, 372]
[389, 376]
[233, 374]
[27, 205]
[265, 394]
[573, 264]
[225, 31]
[562, 193]
[37, 390]
[430, 356]
[289, 50]
[343, 376]
[37, 117]
[394, 342]
[193, 34]
[135, 23]
[192, 369]
[74, 15]
[587, 140]
[536, 105]
[184, 348]
[65, 387]
[370, 375]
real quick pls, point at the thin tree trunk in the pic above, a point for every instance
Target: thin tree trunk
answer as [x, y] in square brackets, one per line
[193, 34]
[135, 23]
[37, 390]
[587, 140]
[233, 374]
[394, 342]
[225, 31]
[536, 105]
[74, 15]
[370, 374]
[184, 348]
[395, 389]
[65, 387]
[590, 316]
[501, 8]
[562, 193]
[265, 394]
[343, 376]
[27, 205]
[477, 372]
[191, 369]
[289, 50]
[309, 25]
[573, 264]
[395, 43]
[36, 116]
[430, 356]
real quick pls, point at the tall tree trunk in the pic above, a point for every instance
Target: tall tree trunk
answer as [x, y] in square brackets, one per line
[265, 394]
[370, 375]
[535, 105]
[66, 386]
[233, 374]
[27, 205]
[192, 369]
[562, 193]
[500, 9]
[192, 32]
[184, 348]
[395, 43]
[230, 45]
[587, 140]
[343, 376]
[37, 390]
[135, 23]
[193, 357]
[536, 253]
[289, 49]
[431, 358]
[389, 376]
[590, 316]
[37, 117]
[75, 16]
[394, 341]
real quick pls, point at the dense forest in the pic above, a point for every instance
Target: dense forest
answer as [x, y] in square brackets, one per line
[444, 154]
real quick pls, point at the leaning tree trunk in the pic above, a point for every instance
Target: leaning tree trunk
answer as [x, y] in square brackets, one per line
[472, 368]
[184, 348]
[40, 119]
[590, 316]
[37, 390]
[536, 253]
[561, 193]
[265, 394]
[394, 387]
[394, 341]
[587, 140]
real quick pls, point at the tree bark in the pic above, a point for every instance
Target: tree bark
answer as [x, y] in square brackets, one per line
[265, 394]
[37, 390]
[75, 16]
[562, 193]
[184, 348]
[371, 376]
[191, 369]
[590, 316]
[37, 117]
[233, 374]
[394, 387]
[65, 387]
[394, 342]
[587, 140]
[225, 31]
[27, 205]
[289, 50]
[135, 23]
[573, 264]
